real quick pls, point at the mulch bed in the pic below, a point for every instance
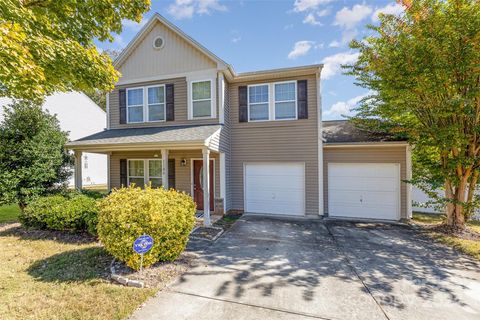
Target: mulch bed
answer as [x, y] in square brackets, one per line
[465, 234]
[160, 274]
[17, 230]
[207, 233]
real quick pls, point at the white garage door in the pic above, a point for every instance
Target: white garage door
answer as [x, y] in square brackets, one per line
[364, 190]
[276, 188]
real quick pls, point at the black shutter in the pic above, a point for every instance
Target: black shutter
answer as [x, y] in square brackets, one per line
[123, 172]
[171, 173]
[170, 104]
[122, 103]
[302, 98]
[243, 104]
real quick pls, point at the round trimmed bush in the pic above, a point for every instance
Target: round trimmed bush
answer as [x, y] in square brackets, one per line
[167, 216]
[76, 212]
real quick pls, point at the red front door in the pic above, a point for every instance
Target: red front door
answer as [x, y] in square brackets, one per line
[198, 183]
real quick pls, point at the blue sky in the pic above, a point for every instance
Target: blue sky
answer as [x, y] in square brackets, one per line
[255, 35]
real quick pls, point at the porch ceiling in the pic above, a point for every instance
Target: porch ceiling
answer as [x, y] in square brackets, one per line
[173, 137]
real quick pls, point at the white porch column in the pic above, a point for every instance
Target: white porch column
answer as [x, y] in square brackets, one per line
[78, 170]
[165, 168]
[109, 185]
[223, 181]
[206, 187]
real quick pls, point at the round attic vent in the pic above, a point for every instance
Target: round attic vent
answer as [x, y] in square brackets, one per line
[158, 43]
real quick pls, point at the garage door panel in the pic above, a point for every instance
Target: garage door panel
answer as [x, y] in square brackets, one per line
[363, 183]
[276, 188]
[368, 170]
[363, 190]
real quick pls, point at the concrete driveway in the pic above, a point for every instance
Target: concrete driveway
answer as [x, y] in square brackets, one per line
[276, 269]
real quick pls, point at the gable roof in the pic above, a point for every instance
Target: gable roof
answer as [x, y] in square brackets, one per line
[146, 28]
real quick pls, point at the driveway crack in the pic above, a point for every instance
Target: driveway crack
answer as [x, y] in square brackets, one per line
[354, 270]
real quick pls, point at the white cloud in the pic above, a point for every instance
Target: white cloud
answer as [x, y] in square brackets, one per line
[332, 64]
[344, 108]
[184, 9]
[334, 44]
[392, 8]
[288, 27]
[349, 18]
[300, 48]
[118, 41]
[311, 19]
[305, 5]
[323, 13]
[133, 25]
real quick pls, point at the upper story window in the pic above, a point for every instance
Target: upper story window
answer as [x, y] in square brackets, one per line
[135, 105]
[285, 100]
[258, 101]
[156, 103]
[146, 104]
[202, 99]
[272, 101]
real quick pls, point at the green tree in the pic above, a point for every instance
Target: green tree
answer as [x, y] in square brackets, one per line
[99, 96]
[424, 71]
[48, 45]
[33, 158]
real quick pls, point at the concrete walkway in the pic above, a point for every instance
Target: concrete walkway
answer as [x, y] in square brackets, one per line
[277, 269]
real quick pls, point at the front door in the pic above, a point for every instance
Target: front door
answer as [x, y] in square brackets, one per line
[198, 183]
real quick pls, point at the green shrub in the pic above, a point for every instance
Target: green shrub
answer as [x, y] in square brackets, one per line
[57, 212]
[127, 213]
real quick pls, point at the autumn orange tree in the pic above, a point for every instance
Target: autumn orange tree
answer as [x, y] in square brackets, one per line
[423, 69]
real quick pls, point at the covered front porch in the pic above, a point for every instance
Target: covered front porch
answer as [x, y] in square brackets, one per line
[183, 165]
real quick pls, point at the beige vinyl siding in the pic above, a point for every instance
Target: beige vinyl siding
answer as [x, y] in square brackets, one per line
[180, 105]
[350, 154]
[176, 57]
[182, 174]
[275, 141]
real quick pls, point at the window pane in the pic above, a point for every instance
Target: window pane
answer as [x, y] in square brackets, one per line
[285, 110]
[155, 168]
[201, 90]
[139, 182]
[156, 112]
[156, 95]
[202, 108]
[156, 182]
[285, 91]
[259, 111]
[135, 168]
[135, 114]
[135, 97]
[258, 94]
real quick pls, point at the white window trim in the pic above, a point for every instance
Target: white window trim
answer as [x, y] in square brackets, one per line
[135, 106]
[146, 175]
[275, 101]
[271, 101]
[146, 105]
[268, 102]
[213, 98]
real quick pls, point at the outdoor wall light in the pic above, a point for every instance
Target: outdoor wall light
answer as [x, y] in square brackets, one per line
[183, 163]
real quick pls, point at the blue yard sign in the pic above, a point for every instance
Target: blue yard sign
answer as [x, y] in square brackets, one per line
[143, 244]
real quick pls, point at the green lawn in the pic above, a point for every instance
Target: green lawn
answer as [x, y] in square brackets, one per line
[44, 275]
[9, 213]
[470, 247]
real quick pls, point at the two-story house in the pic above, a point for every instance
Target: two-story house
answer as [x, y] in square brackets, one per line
[180, 116]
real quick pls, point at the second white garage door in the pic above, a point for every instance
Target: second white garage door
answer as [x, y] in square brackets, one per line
[275, 188]
[364, 190]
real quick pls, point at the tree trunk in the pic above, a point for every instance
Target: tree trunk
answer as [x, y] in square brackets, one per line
[454, 208]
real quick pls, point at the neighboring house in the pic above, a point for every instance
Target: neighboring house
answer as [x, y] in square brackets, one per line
[180, 115]
[80, 116]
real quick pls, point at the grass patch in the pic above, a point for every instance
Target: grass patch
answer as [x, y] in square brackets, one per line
[466, 245]
[9, 213]
[48, 275]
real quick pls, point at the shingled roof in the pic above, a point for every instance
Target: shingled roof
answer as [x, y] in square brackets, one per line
[343, 131]
[169, 134]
